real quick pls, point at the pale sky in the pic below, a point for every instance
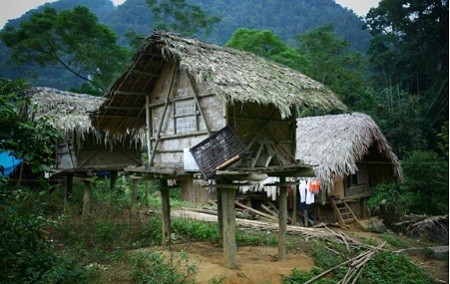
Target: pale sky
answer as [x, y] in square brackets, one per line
[12, 9]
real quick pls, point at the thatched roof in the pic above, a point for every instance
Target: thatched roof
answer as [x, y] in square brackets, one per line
[334, 144]
[230, 74]
[67, 112]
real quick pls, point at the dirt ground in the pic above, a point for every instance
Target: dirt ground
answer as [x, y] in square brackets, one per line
[259, 265]
[255, 264]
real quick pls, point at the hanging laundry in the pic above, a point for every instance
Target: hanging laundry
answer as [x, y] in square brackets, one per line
[302, 189]
[306, 196]
[309, 197]
[271, 190]
[314, 185]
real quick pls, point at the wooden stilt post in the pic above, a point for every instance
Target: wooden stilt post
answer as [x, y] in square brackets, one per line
[113, 179]
[305, 218]
[134, 190]
[219, 215]
[363, 208]
[165, 206]
[282, 221]
[69, 186]
[229, 227]
[86, 198]
[294, 206]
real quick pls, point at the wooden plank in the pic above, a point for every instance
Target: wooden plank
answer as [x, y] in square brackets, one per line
[125, 93]
[255, 211]
[178, 136]
[270, 211]
[282, 221]
[123, 108]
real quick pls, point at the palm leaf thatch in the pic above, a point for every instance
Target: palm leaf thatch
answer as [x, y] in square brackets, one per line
[335, 144]
[232, 75]
[67, 112]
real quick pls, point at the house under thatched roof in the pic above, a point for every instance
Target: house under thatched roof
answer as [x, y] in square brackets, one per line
[67, 112]
[232, 75]
[336, 144]
[81, 147]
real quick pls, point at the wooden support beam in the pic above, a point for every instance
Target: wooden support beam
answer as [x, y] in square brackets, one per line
[69, 186]
[165, 208]
[148, 128]
[166, 106]
[282, 221]
[113, 179]
[134, 190]
[219, 216]
[294, 206]
[197, 100]
[123, 108]
[124, 93]
[86, 198]
[143, 73]
[229, 228]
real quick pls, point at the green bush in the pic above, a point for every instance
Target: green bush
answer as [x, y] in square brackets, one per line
[425, 190]
[426, 183]
[196, 230]
[27, 257]
[155, 268]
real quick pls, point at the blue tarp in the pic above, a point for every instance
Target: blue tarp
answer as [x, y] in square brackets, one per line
[8, 163]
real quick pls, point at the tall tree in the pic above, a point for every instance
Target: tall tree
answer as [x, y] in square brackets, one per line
[31, 141]
[181, 17]
[409, 52]
[331, 61]
[266, 44]
[72, 39]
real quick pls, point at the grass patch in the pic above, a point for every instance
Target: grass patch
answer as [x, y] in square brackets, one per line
[155, 267]
[394, 240]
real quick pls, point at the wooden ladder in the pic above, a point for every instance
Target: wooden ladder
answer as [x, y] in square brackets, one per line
[343, 212]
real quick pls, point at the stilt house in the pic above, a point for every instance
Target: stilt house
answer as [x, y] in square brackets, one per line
[182, 91]
[81, 149]
[231, 112]
[350, 155]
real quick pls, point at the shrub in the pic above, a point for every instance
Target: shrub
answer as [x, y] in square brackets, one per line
[27, 257]
[155, 268]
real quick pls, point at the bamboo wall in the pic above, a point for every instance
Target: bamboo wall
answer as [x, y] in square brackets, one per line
[183, 125]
